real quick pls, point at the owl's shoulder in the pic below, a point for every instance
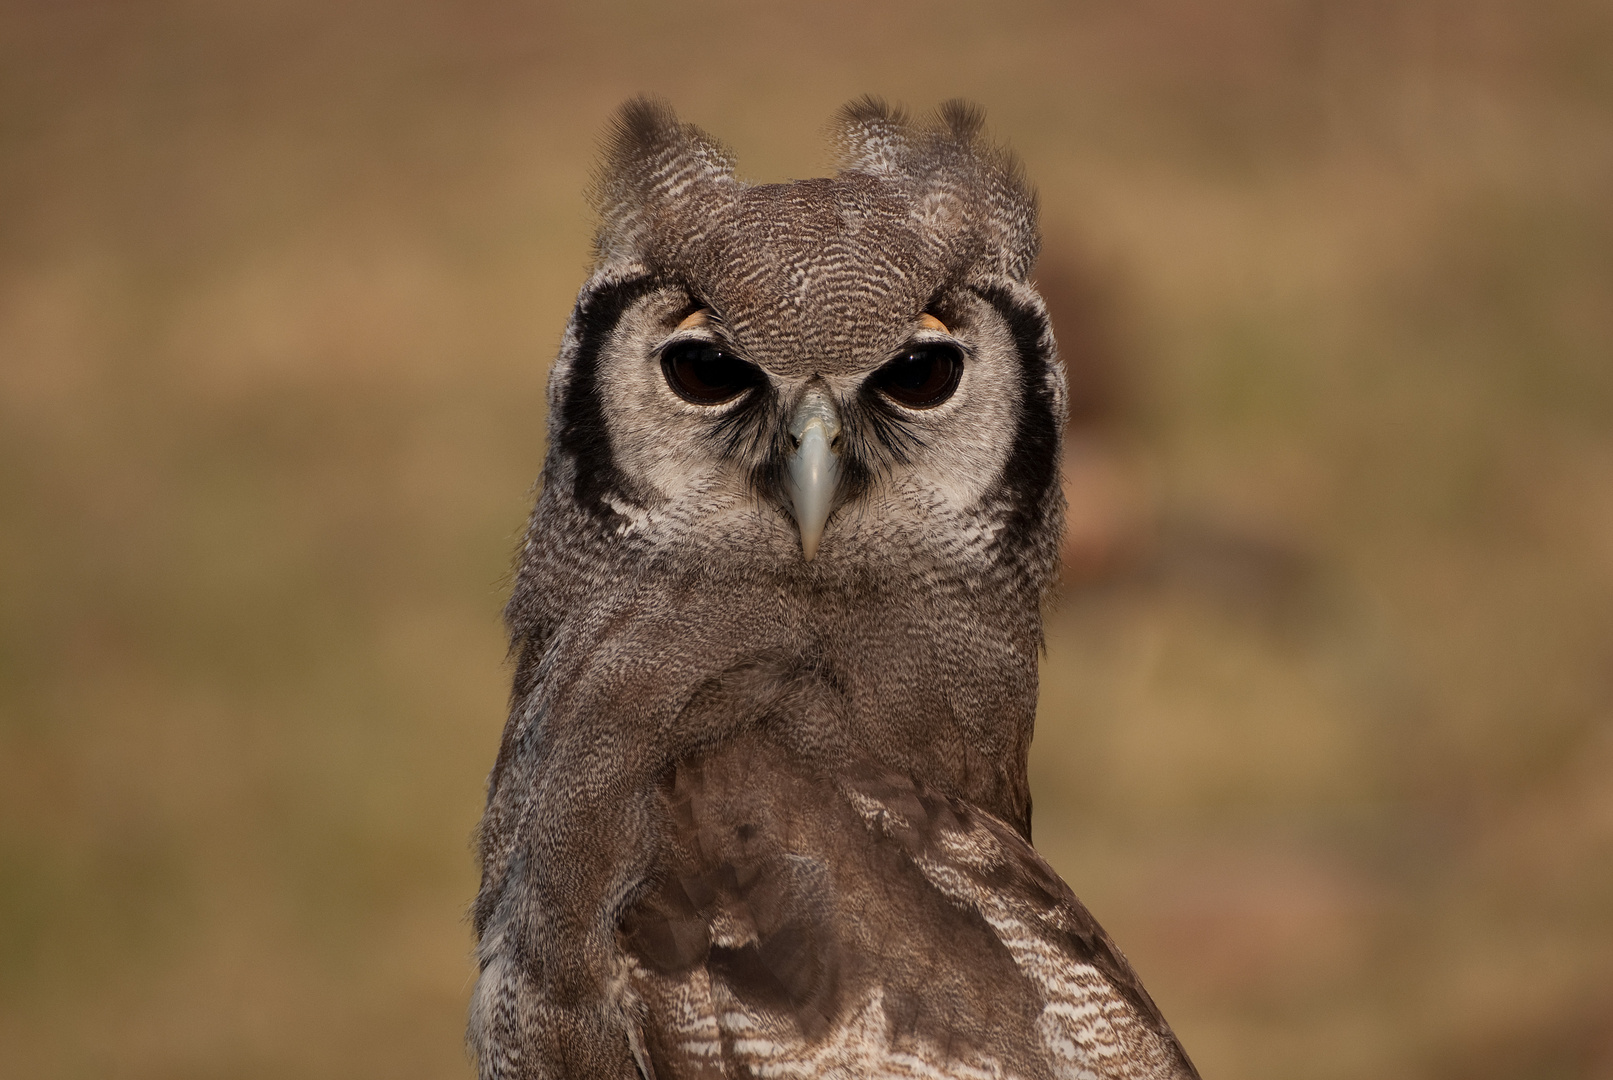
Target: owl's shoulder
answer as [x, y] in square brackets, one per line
[799, 924]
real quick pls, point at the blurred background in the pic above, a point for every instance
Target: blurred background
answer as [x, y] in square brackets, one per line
[1326, 738]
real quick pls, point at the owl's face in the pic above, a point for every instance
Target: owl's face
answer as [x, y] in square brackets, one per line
[809, 380]
[884, 454]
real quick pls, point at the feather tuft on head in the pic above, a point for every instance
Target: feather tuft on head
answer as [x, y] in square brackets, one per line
[969, 183]
[649, 157]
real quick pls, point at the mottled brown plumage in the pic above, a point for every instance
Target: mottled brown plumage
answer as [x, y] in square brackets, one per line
[788, 908]
[761, 804]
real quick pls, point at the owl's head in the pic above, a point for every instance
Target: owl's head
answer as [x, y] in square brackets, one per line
[830, 378]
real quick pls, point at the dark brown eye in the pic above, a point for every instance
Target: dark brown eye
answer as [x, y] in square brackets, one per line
[923, 376]
[700, 372]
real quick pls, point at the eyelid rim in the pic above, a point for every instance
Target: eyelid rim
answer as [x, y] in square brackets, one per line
[928, 337]
[701, 324]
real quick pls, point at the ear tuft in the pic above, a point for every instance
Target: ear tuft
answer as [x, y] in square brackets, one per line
[962, 119]
[649, 156]
[972, 190]
[961, 153]
[871, 138]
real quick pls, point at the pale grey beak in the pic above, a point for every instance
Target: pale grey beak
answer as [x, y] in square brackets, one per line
[814, 467]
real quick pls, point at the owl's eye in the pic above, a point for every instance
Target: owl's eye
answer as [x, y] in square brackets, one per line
[700, 372]
[923, 376]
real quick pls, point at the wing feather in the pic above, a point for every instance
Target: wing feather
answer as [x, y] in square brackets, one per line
[1097, 1020]
[807, 927]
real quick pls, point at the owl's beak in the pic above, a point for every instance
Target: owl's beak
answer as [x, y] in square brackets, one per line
[814, 467]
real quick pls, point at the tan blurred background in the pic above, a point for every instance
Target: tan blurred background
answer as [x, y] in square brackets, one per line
[1327, 726]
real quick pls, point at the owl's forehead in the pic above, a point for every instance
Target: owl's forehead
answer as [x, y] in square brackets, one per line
[818, 275]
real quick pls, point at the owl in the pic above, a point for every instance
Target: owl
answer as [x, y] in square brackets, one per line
[760, 806]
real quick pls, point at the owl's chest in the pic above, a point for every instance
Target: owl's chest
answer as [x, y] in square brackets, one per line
[803, 925]
[780, 936]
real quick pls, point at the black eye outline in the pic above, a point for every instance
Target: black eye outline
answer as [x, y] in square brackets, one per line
[703, 373]
[923, 376]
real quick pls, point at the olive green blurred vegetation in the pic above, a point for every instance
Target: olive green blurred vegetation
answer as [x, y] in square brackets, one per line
[1327, 730]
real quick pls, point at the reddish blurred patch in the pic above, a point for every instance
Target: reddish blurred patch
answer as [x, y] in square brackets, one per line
[1109, 511]
[1264, 921]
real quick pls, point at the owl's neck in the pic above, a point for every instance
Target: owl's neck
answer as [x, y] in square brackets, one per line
[937, 679]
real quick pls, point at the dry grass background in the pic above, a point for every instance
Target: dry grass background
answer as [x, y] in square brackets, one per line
[1327, 729]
